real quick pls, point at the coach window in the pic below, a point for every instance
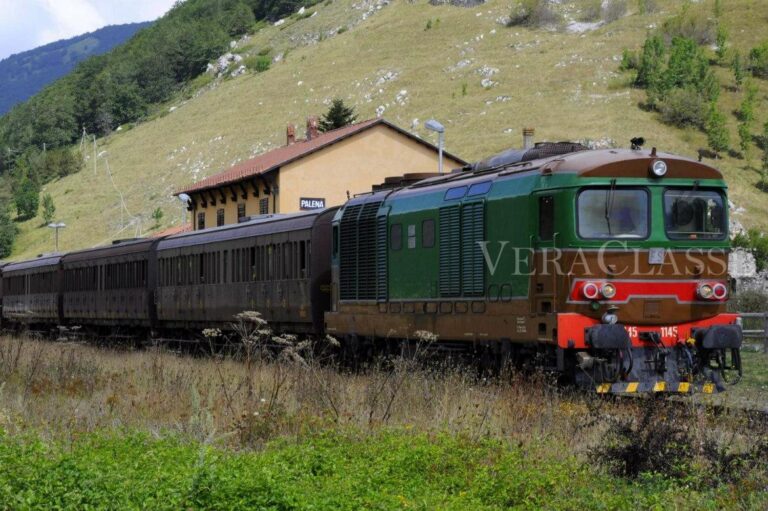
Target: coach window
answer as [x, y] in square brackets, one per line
[201, 220]
[546, 217]
[303, 259]
[428, 233]
[396, 237]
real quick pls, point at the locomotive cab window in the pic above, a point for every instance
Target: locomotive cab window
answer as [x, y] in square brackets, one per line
[694, 214]
[613, 213]
[546, 217]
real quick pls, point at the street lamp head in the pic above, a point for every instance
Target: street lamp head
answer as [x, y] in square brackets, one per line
[57, 225]
[433, 125]
[183, 197]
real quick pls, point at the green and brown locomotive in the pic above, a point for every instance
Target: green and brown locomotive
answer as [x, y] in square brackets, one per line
[609, 266]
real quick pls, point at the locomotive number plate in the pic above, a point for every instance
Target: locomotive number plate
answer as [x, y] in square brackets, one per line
[656, 255]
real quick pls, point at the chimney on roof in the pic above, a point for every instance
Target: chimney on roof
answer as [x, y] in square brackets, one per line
[528, 138]
[312, 131]
[290, 134]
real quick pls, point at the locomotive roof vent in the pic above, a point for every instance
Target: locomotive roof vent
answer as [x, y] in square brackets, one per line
[538, 151]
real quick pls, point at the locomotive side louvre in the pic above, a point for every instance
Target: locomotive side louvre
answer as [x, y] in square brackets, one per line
[206, 278]
[32, 292]
[109, 285]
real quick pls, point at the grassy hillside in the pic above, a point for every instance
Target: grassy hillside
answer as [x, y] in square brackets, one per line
[566, 84]
[24, 74]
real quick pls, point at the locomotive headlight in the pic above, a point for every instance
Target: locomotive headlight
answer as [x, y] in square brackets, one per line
[719, 291]
[590, 290]
[608, 290]
[705, 291]
[658, 168]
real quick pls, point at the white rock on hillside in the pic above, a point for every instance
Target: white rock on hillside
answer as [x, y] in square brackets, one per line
[741, 264]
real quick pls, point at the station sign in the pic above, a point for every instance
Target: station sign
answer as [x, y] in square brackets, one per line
[308, 203]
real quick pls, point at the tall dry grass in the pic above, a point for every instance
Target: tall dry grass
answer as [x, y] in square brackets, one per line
[242, 398]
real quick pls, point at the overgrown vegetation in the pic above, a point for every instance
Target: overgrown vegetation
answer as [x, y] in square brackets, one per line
[757, 243]
[252, 427]
[677, 73]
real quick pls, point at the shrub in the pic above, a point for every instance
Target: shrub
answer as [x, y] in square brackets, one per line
[629, 60]
[258, 63]
[750, 300]
[758, 61]
[592, 10]
[8, 231]
[614, 10]
[717, 133]
[646, 6]
[49, 208]
[684, 108]
[737, 65]
[721, 42]
[691, 23]
[533, 13]
[757, 243]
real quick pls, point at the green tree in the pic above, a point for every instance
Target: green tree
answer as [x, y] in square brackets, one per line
[717, 133]
[651, 63]
[27, 199]
[8, 232]
[157, 216]
[747, 119]
[737, 65]
[337, 116]
[49, 208]
[764, 169]
[721, 41]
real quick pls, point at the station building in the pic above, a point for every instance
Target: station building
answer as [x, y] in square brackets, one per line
[320, 171]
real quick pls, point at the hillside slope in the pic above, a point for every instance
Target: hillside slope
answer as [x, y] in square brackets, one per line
[24, 74]
[386, 60]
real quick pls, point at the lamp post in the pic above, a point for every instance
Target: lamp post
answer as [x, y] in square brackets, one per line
[433, 125]
[56, 226]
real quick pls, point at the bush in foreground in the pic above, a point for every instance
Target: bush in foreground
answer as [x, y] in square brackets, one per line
[393, 469]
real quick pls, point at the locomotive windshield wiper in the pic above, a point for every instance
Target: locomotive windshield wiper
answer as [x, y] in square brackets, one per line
[609, 205]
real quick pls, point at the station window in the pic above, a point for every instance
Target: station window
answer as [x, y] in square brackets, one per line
[220, 218]
[241, 210]
[264, 206]
[201, 220]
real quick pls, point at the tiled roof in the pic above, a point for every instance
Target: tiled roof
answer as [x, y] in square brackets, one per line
[173, 230]
[286, 154]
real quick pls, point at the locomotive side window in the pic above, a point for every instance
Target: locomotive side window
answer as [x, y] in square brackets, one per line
[479, 188]
[618, 213]
[690, 214]
[428, 233]
[455, 193]
[396, 237]
[546, 217]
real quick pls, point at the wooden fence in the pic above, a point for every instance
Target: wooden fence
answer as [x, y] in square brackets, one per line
[757, 333]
